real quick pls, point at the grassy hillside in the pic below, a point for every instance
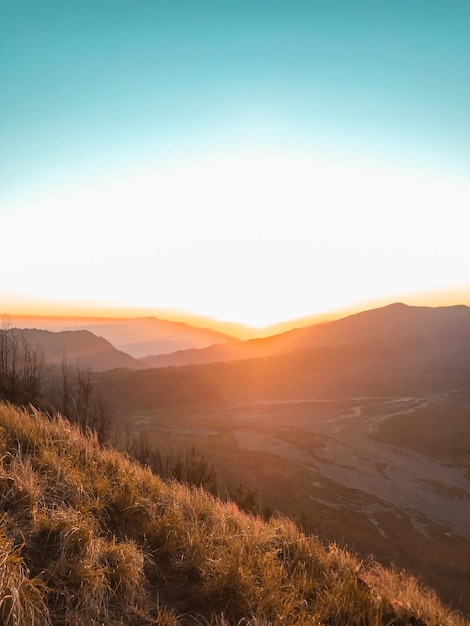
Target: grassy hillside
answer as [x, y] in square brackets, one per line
[89, 537]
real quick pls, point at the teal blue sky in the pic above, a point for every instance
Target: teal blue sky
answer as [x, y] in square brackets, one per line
[97, 91]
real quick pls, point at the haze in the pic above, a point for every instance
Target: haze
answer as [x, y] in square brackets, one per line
[247, 161]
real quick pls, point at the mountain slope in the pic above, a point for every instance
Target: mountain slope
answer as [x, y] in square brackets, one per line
[150, 335]
[82, 345]
[369, 368]
[396, 324]
[89, 537]
[137, 336]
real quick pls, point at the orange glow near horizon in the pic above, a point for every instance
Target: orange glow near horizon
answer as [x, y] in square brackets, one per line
[251, 240]
[76, 313]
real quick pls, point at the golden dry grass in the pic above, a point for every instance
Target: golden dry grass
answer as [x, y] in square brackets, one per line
[89, 537]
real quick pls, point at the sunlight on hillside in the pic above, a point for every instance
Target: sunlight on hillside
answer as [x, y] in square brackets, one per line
[90, 537]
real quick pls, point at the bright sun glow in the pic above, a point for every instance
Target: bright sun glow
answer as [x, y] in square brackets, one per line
[235, 160]
[251, 238]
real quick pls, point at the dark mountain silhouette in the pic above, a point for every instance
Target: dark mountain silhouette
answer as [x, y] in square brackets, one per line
[396, 324]
[82, 345]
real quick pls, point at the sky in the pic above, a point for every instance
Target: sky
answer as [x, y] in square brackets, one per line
[248, 160]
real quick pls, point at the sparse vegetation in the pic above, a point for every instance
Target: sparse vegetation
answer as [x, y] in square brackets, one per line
[190, 467]
[75, 392]
[21, 366]
[89, 536]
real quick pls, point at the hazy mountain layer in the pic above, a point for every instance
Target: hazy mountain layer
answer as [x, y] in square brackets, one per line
[396, 324]
[138, 336]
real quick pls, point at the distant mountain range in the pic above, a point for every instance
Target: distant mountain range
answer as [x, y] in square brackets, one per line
[419, 331]
[396, 324]
[396, 350]
[138, 336]
[149, 335]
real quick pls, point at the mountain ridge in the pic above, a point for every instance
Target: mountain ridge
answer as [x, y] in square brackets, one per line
[397, 323]
[83, 346]
[137, 336]
[409, 321]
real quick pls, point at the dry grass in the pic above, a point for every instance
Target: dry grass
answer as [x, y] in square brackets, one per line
[88, 537]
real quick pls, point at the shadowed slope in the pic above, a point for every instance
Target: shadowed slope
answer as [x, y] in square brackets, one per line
[82, 345]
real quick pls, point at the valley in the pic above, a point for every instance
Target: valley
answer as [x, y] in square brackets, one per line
[358, 429]
[388, 476]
